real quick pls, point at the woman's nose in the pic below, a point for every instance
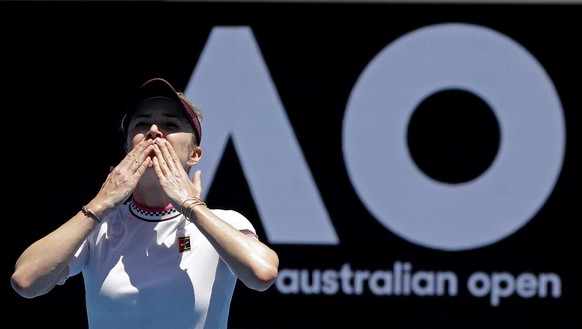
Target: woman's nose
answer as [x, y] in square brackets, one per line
[154, 132]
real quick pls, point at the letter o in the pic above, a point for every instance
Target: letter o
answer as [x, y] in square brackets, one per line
[532, 144]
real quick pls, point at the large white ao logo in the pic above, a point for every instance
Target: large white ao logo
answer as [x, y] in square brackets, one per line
[524, 172]
[232, 84]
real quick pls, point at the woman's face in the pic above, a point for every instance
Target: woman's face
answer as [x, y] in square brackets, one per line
[162, 118]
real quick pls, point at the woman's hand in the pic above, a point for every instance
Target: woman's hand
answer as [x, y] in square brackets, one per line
[173, 175]
[123, 178]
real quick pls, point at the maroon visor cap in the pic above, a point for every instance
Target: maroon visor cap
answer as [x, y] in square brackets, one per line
[159, 87]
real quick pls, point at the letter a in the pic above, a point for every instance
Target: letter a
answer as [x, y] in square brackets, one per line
[232, 86]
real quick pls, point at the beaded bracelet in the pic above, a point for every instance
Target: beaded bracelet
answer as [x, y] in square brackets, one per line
[89, 213]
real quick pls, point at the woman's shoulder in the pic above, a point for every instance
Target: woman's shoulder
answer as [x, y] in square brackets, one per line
[228, 214]
[118, 214]
[234, 218]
